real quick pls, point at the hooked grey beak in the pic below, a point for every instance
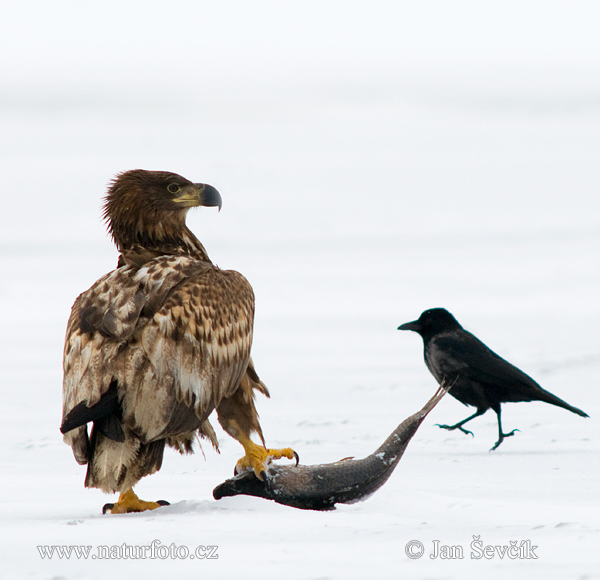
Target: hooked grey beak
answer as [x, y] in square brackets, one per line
[209, 196]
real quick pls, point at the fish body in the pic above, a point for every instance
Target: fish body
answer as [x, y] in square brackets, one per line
[320, 487]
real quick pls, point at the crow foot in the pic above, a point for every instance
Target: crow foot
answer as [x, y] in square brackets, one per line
[502, 437]
[453, 427]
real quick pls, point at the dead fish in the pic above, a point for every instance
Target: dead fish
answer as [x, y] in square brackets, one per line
[320, 487]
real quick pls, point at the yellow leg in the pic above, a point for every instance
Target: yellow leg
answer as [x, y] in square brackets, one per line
[258, 457]
[130, 502]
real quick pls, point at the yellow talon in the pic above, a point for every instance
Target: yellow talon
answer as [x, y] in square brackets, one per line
[258, 457]
[130, 502]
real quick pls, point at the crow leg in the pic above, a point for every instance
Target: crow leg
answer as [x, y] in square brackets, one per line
[501, 435]
[460, 424]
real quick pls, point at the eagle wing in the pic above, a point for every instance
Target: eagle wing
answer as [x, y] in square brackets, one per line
[173, 336]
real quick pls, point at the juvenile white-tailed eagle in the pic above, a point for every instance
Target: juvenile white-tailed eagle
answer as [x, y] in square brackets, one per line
[153, 347]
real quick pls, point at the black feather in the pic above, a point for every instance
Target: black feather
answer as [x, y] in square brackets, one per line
[105, 414]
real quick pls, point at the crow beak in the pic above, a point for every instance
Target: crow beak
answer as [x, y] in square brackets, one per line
[414, 325]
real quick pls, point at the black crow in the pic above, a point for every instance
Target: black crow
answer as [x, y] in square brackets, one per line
[479, 377]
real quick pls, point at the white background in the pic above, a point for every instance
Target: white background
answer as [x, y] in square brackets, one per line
[375, 159]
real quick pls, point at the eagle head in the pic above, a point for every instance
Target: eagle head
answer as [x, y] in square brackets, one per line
[149, 208]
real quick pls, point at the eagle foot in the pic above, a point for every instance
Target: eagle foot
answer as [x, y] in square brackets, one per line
[257, 458]
[129, 502]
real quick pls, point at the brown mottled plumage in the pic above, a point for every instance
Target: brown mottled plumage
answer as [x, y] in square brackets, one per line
[153, 347]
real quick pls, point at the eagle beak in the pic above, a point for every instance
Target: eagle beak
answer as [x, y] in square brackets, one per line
[414, 325]
[208, 196]
[199, 194]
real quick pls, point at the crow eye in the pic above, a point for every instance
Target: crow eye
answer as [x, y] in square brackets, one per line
[173, 188]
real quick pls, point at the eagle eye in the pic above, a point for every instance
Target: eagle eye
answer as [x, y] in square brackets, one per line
[173, 188]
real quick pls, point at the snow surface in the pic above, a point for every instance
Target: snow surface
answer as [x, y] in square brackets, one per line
[375, 160]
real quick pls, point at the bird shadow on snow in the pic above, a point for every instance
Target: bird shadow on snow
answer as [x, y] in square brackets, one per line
[188, 506]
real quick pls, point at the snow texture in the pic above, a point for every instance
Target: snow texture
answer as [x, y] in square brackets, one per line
[375, 159]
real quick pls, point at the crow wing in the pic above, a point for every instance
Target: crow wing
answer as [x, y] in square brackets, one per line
[460, 356]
